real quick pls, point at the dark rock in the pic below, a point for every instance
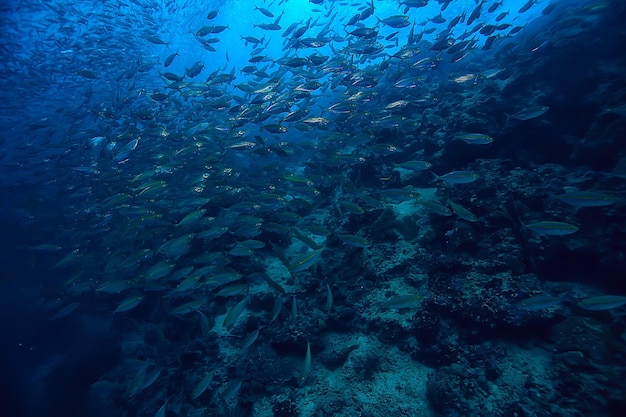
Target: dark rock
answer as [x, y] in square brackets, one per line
[285, 409]
[448, 388]
[573, 359]
[335, 356]
[461, 238]
[388, 331]
[267, 371]
[492, 371]
[363, 365]
[584, 335]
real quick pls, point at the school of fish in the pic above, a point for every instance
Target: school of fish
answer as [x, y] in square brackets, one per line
[186, 161]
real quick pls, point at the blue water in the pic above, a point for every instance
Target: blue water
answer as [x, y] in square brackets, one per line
[298, 218]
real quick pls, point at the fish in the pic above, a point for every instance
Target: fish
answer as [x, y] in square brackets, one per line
[252, 244]
[398, 104]
[115, 286]
[441, 44]
[365, 33]
[202, 385]
[414, 3]
[159, 270]
[276, 309]
[527, 6]
[233, 314]
[620, 110]
[502, 16]
[602, 302]
[456, 20]
[305, 261]
[191, 218]
[306, 367]
[194, 70]
[155, 40]
[162, 411]
[205, 30]
[290, 29]
[46, 247]
[458, 177]
[268, 26]
[187, 284]
[128, 303]
[240, 250]
[474, 138]
[475, 13]
[462, 212]
[530, 113]
[294, 309]
[490, 73]
[399, 195]
[438, 19]
[464, 79]
[87, 74]
[264, 11]
[181, 273]
[353, 240]
[350, 207]
[250, 338]
[552, 228]
[65, 311]
[494, 6]
[134, 386]
[233, 289]
[187, 308]
[436, 207]
[254, 41]
[150, 377]
[296, 62]
[329, 300]
[176, 247]
[273, 284]
[587, 199]
[396, 21]
[367, 12]
[539, 302]
[172, 77]
[414, 165]
[231, 389]
[391, 36]
[160, 97]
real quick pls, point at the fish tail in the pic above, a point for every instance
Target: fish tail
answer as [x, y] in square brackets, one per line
[507, 121]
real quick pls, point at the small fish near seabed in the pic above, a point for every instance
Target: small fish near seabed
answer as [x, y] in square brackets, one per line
[539, 302]
[587, 199]
[603, 302]
[552, 228]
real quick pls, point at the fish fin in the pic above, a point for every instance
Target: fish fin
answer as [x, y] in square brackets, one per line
[507, 121]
